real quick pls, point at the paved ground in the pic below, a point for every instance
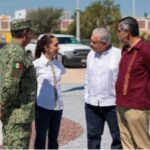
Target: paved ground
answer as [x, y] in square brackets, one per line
[73, 91]
[74, 76]
[73, 128]
[74, 110]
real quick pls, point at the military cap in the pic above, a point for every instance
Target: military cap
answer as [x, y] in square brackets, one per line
[19, 24]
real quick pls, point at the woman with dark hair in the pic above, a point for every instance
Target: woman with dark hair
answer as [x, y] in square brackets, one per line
[49, 98]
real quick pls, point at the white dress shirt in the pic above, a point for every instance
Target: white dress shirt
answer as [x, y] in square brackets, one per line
[46, 83]
[100, 78]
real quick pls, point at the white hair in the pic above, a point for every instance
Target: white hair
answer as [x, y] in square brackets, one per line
[104, 34]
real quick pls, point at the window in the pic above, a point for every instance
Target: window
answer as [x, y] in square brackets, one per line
[68, 40]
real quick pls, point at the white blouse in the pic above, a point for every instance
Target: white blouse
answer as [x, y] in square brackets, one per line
[49, 78]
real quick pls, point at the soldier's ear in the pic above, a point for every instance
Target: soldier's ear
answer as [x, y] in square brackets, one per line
[24, 31]
[24, 34]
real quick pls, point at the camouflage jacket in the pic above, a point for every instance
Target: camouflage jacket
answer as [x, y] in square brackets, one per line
[17, 85]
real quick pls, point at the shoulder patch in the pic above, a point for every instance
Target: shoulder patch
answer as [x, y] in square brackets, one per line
[17, 69]
[17, 65]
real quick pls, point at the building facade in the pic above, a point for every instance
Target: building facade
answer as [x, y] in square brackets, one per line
[5, 35]
[144, 25]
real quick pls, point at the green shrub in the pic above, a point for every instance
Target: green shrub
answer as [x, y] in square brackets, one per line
[146, 36]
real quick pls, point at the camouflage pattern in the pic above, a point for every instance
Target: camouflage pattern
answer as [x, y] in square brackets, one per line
[17, 91]
[19, 24]
[18, 133]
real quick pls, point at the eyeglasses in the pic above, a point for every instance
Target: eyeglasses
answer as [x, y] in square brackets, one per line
[94, 42]
[119, 30]
[97, 42]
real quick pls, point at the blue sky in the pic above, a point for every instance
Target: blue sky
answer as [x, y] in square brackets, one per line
[7, 7]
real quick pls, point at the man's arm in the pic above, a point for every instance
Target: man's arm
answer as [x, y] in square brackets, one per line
[12, 72]
[146, 57]
[86, 85]
[86, 79]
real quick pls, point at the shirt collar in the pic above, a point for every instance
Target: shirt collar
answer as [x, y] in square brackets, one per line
[44, 60]
[14, 42]
[137, 46]
[104, 52]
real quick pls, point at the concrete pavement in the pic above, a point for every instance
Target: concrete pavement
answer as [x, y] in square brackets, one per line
[74, 110]
[73, 96]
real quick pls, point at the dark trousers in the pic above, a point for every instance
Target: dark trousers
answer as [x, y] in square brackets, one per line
[95, 119]
[47, 120]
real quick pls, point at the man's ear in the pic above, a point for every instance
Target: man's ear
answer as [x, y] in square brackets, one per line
[128, 35]
[25, 32]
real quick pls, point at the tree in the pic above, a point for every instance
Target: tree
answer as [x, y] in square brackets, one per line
[45, 20]
[98, 14]
[146, 36]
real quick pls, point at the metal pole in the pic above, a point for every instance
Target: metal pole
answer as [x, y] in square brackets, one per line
[133, 8]
[78, 19]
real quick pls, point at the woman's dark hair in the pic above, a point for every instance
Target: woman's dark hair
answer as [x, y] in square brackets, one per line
[45, 40]
[130, 24]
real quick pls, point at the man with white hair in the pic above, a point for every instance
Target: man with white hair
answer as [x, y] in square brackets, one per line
[101, 74]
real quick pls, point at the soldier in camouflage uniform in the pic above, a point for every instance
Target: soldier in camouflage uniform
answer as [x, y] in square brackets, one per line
[17, 88]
